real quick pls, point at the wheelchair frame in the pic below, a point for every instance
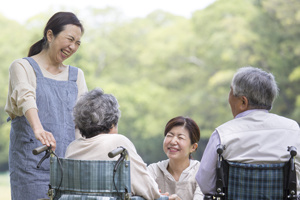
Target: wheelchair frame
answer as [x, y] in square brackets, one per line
[222, 170]
[95, 188]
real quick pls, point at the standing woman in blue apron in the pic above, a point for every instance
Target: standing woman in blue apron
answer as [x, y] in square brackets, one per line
[41, 96]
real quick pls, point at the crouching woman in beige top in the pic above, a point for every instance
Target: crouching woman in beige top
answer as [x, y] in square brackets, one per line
[176, 175]
[96, 116]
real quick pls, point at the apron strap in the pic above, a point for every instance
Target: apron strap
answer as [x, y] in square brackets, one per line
[35, 67]
[73, 73]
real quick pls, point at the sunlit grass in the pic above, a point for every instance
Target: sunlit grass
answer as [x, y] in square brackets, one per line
[4, 186]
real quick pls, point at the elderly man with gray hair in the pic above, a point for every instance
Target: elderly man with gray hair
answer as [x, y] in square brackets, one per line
[96, 115]
[254, 135]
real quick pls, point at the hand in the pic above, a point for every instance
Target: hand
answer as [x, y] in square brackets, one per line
[164, 194]
[174, 197]
[46, 138]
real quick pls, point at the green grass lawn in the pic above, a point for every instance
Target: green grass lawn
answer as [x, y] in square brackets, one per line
[4, 186]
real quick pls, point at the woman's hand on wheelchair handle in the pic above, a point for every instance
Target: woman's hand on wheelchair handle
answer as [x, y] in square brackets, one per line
[45, 138]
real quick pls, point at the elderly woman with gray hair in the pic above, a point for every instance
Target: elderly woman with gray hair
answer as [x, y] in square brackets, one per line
[96, 115]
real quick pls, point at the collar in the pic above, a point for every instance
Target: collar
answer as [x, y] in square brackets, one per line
[247, 112]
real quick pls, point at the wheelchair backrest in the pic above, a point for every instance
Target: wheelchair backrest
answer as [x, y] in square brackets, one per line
[245, 181]
[255, 181]
[89, 177]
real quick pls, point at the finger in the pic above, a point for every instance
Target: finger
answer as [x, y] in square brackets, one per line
[45, 138]
[51, 140]
[41, 140]
[172, 197]
[165, 194]
[53, 145]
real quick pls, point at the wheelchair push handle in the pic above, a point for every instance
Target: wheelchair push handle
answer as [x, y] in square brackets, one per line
[40, 149]
[292, 150]
[116, 152]
[220, 149]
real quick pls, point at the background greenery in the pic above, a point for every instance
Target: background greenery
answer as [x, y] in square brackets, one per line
[163, 65]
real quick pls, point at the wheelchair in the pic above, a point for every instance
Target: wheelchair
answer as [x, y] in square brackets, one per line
[243, 181]
[89, 179]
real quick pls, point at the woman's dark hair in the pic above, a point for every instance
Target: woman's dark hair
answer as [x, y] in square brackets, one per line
[188, 123]
[57, 24]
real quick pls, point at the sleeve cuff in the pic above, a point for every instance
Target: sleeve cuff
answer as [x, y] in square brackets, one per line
[28, 105]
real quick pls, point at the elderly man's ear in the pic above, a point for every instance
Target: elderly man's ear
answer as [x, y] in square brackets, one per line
[244, 104]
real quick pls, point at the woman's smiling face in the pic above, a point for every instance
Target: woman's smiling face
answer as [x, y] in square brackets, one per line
[177, 143]
[66, 43]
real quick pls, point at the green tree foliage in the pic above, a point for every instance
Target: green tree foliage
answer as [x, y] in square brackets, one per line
[12, 46]
[279, 30]
[163, 65]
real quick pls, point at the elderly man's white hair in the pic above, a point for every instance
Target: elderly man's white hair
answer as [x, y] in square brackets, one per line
[258, 86]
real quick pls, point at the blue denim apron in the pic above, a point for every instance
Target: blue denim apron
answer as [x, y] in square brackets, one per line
[55, 101]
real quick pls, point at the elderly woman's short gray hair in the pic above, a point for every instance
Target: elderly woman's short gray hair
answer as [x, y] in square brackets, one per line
[96, 112]
[258, 86]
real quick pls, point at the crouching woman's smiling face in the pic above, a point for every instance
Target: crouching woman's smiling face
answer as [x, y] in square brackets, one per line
[177, 143]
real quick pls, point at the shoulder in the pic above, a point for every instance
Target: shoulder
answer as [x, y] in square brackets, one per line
[77, 141]
[82, 87]
[160, 165]
[195, 162]
[20, 61]
[20, 69]
[287, 121]
[80, 73]
[120, 137]
[73, 145]
[16, 64]
[194, 165]
[153, 166]
[192, 170]
[120, 140]
[156, 169]
[228, 123]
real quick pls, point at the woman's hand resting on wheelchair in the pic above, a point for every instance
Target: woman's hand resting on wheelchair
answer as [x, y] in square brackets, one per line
[174, 197]
[171, 197]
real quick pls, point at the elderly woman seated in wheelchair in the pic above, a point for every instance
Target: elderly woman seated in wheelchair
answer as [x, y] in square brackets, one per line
[91, 169]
